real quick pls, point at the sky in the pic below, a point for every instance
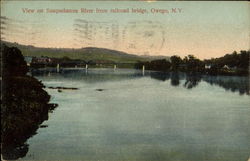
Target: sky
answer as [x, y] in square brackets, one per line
[204, 29]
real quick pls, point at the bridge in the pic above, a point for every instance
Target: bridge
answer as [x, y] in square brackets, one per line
[115, 66]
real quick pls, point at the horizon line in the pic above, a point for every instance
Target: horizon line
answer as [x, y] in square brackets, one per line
[4, 41]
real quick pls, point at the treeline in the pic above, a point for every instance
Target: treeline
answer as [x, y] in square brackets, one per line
[230, 64]
[24, 105]
[235, 63]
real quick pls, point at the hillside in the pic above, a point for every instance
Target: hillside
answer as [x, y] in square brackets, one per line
[89, 53]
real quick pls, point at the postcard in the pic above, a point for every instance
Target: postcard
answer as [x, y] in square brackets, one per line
[125, 80]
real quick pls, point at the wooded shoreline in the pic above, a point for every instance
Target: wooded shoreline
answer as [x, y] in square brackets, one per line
[24, 105]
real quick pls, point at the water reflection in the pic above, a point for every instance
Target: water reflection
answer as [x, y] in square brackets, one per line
[92, 75]
[160, 76]
[233, 83]
[175, 79]
[192, 81]
[230, 83]
[18, 147]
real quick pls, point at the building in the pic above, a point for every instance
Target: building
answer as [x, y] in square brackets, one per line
[208, 66]
[41, 60]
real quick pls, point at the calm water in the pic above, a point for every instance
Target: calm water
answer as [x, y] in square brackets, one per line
[155, 117]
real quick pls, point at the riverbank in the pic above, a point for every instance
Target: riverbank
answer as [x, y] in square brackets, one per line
[235, 64]
[25, 104]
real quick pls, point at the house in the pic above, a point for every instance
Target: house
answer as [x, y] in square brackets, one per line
[226, 67]
[208, 66]
[41, 60]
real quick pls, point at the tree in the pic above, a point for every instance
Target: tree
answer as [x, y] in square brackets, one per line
[160, 65]
[175, 62]
[193, 64]
[13, 62]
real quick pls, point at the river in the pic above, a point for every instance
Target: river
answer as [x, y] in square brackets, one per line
[125, 115]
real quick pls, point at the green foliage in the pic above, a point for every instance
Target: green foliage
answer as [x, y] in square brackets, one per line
[193, 64]
[161, 65]
[13, 61]
[157, 65]
[24, 103]
[176, 61]
[237, 63]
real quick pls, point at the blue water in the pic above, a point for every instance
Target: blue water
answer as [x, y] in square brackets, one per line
[123, 115]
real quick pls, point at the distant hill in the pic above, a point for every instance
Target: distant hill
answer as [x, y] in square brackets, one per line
[88, 53]
[155, 57]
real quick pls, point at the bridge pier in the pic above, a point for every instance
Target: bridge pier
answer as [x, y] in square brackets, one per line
[143, 70]
[58, 68]
[86, 68]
